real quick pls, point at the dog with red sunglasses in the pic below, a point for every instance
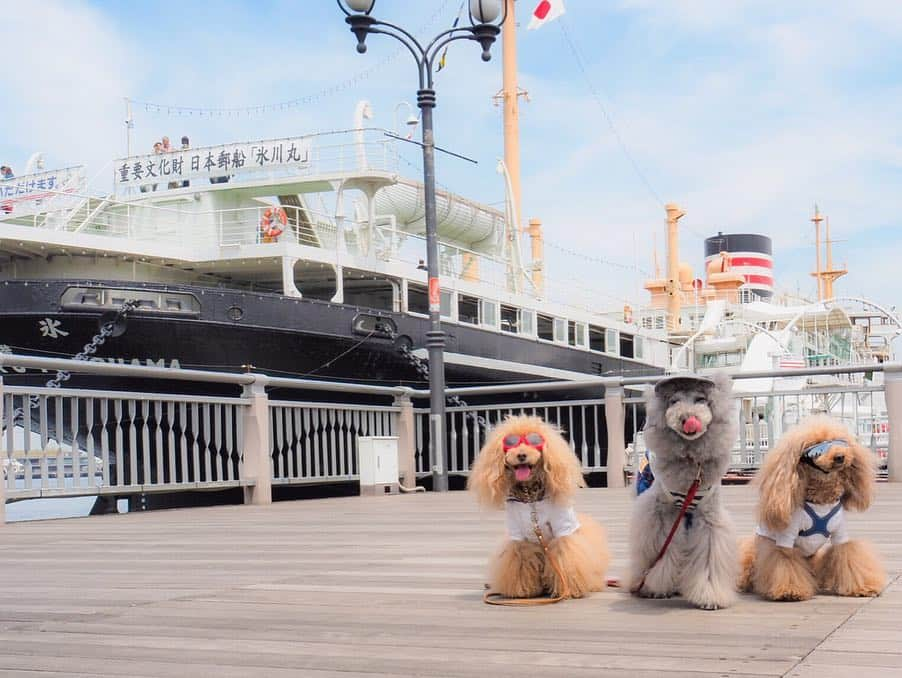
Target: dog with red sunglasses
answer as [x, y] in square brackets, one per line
[527, 468]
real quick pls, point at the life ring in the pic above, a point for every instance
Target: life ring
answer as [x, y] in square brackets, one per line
[273, 222]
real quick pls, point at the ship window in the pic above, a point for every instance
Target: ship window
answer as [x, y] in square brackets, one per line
[489, 313]
[545, 327]
[576, 334]
[417, 299]
[468, 309]
[528, 323]
[626, 345]
[596, 338]
[510, 319]
[560, 330]
[639, 348]
[610, 341]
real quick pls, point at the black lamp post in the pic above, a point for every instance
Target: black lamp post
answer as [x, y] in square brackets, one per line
[484, 28]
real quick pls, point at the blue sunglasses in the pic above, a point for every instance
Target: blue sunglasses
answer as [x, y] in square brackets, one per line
[811, 453]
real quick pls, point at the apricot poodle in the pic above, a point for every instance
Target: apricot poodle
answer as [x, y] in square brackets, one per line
[801, 546]
[527, 468]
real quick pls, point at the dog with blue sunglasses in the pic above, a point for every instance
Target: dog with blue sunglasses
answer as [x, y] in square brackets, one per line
[816, 472]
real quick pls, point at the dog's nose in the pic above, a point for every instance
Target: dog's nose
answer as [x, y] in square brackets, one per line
[839, 459]
[521, 457]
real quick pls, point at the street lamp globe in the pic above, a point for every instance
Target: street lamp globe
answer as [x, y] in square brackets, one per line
[364, 6]
[485, 11]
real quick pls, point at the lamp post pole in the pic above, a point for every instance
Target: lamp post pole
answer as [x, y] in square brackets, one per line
[435, 337]
[358, 15]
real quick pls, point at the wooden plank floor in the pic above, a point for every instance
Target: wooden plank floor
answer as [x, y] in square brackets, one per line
[391, 586]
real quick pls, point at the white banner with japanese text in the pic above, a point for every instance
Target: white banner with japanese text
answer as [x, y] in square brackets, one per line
[41, 192]
[212, 162]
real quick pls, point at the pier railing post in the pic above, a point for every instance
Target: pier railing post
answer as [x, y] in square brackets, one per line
[892, 385]
[615, 420]
[257, 445]
[9, 469]
[407, 469]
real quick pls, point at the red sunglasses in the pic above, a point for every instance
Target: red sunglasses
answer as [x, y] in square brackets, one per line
[515, 440]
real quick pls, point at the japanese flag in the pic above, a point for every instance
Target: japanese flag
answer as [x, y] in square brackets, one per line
[545, 11]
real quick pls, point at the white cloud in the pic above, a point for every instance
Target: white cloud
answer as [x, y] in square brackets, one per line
[65, 77]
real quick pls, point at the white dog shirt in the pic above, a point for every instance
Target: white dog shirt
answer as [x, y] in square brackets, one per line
[810, 527]
[554, 520]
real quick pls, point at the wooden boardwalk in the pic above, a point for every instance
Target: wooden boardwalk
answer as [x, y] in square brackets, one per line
[383, 586]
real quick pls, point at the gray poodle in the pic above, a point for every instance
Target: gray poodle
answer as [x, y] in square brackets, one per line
[690, 428]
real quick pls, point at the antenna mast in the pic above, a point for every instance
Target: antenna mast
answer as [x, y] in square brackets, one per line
[825, 277]
[817, 219]
[129, 124]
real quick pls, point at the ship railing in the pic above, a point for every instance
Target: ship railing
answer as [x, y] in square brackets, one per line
[326, 155]
[156, 438]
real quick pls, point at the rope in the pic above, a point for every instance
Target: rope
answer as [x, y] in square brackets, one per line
[492, 598]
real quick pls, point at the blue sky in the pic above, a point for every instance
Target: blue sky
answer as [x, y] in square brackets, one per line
[744, 112]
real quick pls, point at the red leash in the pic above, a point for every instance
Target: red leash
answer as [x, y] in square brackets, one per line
[690, 495]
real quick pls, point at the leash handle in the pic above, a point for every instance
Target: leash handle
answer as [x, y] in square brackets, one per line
[497, 599]
[690, 495]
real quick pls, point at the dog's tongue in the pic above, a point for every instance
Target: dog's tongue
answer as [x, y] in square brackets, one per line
[522, 472]
[692, 425]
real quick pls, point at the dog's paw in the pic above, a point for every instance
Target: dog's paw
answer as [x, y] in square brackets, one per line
[863, 591]
[658, 595]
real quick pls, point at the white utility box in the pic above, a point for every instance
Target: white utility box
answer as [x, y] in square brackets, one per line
[377, 460]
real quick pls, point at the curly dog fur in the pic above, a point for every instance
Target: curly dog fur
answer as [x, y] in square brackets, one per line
[845, 474]
[547, 475]
[690, 425]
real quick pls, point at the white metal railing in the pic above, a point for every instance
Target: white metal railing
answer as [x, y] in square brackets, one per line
[81, 441]
[581, 421]
[765, 416]
[316, 442]
[74, 442]
[326, 153]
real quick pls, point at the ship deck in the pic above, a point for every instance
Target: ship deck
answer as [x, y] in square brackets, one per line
[391, 586]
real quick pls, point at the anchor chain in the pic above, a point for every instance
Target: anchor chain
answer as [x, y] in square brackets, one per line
[422, 368]
[98, 340]
[89, 349]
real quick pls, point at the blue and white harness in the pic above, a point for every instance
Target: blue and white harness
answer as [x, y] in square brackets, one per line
[810, 527]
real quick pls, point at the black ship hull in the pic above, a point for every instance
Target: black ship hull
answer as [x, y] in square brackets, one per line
[233, 330]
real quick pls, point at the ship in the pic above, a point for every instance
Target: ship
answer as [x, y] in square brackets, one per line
[300, 257]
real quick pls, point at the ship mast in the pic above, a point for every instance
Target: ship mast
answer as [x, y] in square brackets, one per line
[817, 219]
[825, 278]
[509, 97]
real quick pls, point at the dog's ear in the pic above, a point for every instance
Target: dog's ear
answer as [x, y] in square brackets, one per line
[781, 488]
[859, 478]
[486, 477]
[563, 471]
